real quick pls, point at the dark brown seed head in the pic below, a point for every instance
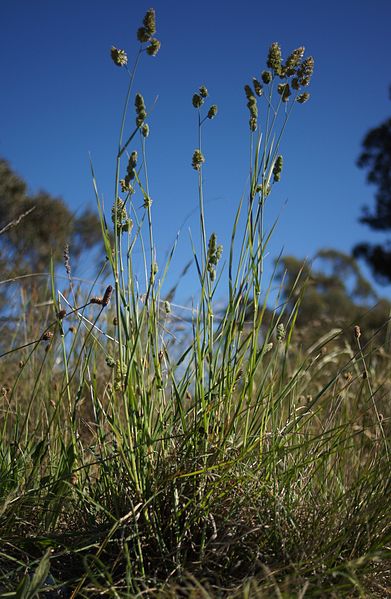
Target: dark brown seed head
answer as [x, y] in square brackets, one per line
[47, 336]
[61, 314]
[107, 296]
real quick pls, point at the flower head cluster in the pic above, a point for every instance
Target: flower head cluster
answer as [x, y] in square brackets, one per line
[305, 71]
[281, 333]
[284, 90]
[214, 254]
[198, 160]
[198, 98]
[146, 32]
[277, 168]
[302, 98]
[153, 47]
[257, 87]
[119, 57]
[140, 110]
[274, 58]
[212, 111]
[252, 106]
[126, 186]
[296, 72]
[293, 61]
[198, 101]
[120, 218]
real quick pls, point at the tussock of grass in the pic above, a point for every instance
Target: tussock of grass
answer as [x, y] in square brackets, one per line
[140, 460]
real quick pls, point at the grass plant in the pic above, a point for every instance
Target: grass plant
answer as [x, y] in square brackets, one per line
[140, 461]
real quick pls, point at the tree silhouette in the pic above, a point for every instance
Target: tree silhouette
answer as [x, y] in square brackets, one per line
[33, 229]
[376, 159]
[332, 293]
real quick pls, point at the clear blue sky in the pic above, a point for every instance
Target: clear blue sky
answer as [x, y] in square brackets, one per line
[62, 96]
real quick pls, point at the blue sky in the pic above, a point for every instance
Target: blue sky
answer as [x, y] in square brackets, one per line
[62, 97]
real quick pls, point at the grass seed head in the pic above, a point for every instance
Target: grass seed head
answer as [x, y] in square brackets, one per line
[132, 163]
[126, 187]
[110, 361]
[118, 214]
[119, 57]
[107, 296]
[143, 35]
[153, 47]
[278, 168]
[293, 61]
[212, 111]
[257, 87]
[147, 201]
[67, 262]
[274, 58]
[305, 71]
[48, 336]
[140, 106]
[295, 83]
[198, 160]
[132, 160]
[281, 332]
[197, 101]
[149, 22]
[303, 98]
[252, 106]
[214, 254]
[284, 91]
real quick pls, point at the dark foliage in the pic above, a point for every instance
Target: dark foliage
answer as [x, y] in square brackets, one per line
[36, 228]
[376, 160]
